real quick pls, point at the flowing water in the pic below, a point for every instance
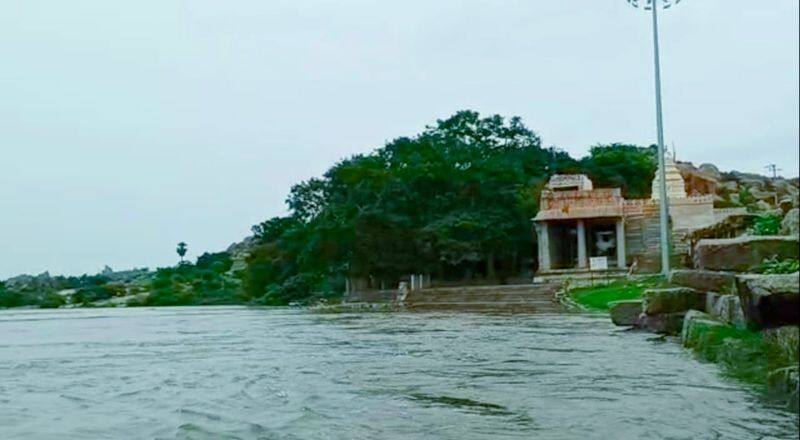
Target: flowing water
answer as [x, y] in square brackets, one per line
[251, 373]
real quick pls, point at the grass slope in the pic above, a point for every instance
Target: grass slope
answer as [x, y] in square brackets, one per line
[598, 297]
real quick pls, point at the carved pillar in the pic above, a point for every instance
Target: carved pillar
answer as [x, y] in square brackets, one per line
[621, 254]
[543, 246]
[583, 258]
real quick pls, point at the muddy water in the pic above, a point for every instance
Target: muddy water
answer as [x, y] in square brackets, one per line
[248, 373]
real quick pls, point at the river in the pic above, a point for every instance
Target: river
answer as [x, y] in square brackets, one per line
[254, 373]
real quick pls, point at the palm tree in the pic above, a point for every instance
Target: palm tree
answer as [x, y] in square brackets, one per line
[181, 250]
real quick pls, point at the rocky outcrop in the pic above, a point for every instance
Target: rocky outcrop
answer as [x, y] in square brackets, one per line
[697, 181]
[239, 253]
[743, 253]
[670, 300]
[769, 301]
[791, 223]
[695, 323]
[662, 310]
[786, 382]
[728, 309]
[625, 313]
[664, 323]
[710, 170]
[703, 280]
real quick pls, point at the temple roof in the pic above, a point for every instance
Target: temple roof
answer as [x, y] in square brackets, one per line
[564, 205]
[569, 181]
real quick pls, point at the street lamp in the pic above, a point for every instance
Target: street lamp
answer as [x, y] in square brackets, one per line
[652, 5]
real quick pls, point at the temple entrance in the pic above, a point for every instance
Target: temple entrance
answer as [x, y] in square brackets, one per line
[601, 238]
[563, 245]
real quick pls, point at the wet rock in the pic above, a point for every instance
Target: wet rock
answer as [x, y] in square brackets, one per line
[785, 382]
[664, 323]
[791, 223]
[711, 301]
[728, 309]
[695, 324]
[625, 312]
[703, 280]
[674, 299]
[742, 253]
[769, 301]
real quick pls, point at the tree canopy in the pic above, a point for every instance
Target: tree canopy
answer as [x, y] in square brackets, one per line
[455, 200]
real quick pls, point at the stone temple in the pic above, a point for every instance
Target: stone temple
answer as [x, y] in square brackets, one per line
[577, 221]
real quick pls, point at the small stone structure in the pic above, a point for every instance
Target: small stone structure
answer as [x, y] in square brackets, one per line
[577, 221]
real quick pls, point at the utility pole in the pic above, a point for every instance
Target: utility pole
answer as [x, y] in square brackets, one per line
[652, 5]
[774, 170]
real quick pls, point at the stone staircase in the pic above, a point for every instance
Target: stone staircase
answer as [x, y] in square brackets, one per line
[520, 298]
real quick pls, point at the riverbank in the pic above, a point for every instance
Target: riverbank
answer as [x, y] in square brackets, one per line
[764, 360]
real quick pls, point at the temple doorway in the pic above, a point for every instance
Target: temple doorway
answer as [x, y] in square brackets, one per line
[563, 245]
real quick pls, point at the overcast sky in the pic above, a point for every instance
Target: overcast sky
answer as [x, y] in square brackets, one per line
[126, 127]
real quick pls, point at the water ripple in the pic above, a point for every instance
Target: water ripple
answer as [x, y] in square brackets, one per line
[284, 374]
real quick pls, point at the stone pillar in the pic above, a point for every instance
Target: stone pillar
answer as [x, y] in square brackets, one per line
[621, 254]
[583, 258]
[543, 246]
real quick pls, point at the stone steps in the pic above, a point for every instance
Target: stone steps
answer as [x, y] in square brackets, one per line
[500, 307]
[527, 298]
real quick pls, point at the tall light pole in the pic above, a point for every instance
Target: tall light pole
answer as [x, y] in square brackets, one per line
[652, 5]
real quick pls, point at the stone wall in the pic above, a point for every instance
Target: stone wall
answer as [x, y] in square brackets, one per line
[692, 213]
[642, 235]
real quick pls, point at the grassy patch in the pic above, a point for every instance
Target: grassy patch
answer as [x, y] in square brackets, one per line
[747, 355]
[598, 297]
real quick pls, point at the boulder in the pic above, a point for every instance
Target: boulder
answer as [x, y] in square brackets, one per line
[786, 204]
[766, 196]
[673, 299]
[769, 301]
[729, 185]
[625, 312]
[783, 186]
[785, 382]
[791, 223]
[743, 253]
[710, 169]
[762, 205]
[711, 301]
[728, 308]
[704, 280]
[664, 323]
[695, 324]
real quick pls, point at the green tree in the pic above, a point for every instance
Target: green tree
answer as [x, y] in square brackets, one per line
[455, 200]
[624, 166]
[181, 250]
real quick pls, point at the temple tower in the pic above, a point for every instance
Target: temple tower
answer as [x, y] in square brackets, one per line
[676, 187]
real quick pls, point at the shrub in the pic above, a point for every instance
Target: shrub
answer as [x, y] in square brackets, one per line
[10, 298]
[93, 293]
[766, 224]
[219, 262]
[52, 301]
[774, 266]
[296, 288]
